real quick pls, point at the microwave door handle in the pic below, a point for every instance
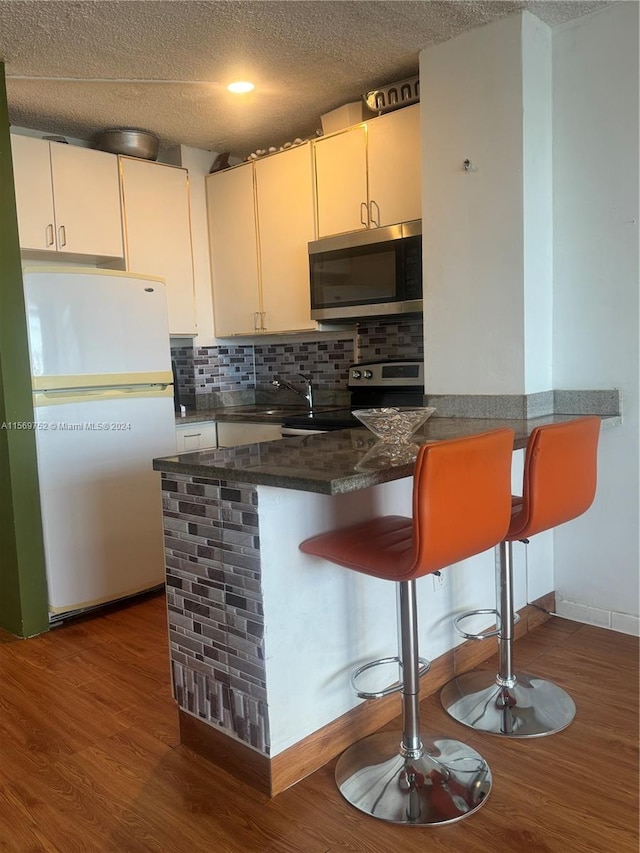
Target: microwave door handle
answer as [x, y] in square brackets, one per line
[364, 214]
[375, 221]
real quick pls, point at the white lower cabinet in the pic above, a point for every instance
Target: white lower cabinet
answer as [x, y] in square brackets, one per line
[196, 436]
[233, 434]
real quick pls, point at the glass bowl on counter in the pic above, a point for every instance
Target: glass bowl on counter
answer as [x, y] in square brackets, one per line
[394, 424]
[387, 454]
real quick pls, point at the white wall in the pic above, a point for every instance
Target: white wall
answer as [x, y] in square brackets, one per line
[596, 284]
[471, 107]
[486, 96]
[537, 178]
[531, 260]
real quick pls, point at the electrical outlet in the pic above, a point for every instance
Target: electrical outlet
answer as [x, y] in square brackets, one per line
[439, 580]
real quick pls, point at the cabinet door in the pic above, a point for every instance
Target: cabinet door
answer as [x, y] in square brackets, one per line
[196, 436]
[393, 158]
[233, 249]
[341, 182]
[284, 201]
[34, 196]
[233, 434]
[86, 194]
[158, 231]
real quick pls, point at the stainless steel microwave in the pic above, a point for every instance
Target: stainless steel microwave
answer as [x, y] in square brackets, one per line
[369, 273]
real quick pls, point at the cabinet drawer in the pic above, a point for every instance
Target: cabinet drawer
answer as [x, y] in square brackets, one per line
[196, 436]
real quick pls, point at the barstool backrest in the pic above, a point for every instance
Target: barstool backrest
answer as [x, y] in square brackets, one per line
[559, 480]
[461, 498]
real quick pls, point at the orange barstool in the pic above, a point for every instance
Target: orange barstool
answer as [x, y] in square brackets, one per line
[559, 484]
[461, 507]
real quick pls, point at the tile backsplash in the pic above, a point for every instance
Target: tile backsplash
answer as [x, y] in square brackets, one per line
[391, 339]
[237, 374]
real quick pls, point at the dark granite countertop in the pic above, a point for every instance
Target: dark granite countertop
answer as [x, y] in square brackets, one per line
[336, 462]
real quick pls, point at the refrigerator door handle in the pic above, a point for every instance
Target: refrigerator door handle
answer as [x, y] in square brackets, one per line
[57, 398]
[88, 381]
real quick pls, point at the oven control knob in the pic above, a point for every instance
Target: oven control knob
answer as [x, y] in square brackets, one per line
[368, 374]
[355, 374]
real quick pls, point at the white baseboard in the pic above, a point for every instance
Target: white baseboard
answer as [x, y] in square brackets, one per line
[625, 623]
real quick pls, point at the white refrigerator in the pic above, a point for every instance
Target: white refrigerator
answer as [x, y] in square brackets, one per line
[103, 409]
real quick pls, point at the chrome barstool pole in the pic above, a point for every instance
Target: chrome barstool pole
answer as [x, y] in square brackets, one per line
[506, 612]
[411, 743]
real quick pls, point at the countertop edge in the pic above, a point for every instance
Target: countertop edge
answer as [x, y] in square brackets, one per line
[227, 465]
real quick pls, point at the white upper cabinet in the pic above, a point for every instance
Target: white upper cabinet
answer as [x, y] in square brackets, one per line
[34, 193]
[260, 221]
[341, 181]
[369, 175]
[234, 251]
[393, 160]
[284, 203]
[68, 199]
[158, 233]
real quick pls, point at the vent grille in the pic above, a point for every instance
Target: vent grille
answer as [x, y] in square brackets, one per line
[394, 95]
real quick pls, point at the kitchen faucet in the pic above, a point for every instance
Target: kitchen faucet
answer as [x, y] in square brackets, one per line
[307, 394]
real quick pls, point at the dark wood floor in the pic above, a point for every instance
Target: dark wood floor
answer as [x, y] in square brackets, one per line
[90, 761]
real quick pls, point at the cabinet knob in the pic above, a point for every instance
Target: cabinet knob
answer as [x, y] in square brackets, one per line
[364, 214]
[375, 221]
[50, 235]
[62, 236]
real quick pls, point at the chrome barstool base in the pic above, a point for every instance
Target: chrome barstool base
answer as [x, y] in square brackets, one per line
[533, 707]
[447, 783]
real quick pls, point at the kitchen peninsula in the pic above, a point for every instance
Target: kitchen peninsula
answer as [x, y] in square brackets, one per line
[263, 638]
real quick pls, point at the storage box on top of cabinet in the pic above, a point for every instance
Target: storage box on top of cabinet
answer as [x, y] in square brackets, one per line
[68, 200]
[157, 219]
[260, 221]
[369, 175]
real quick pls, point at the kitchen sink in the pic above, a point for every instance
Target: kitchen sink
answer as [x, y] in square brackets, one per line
[273, 410]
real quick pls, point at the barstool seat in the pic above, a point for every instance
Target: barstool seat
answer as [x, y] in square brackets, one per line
[559, 484]
[461, 507]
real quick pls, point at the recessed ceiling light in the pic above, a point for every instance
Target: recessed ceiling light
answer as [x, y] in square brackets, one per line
[240, 86]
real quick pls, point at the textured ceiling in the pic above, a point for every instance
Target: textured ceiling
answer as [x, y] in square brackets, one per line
[163, 66]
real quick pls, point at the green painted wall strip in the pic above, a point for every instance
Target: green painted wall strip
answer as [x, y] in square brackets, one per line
[23, 590]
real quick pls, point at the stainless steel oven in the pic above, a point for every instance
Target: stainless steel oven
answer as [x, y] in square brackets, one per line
[377, 272]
